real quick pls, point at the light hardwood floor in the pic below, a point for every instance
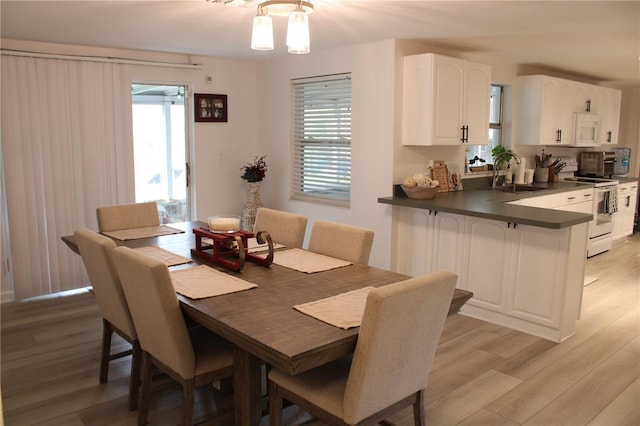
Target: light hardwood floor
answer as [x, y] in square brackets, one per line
[483, 374]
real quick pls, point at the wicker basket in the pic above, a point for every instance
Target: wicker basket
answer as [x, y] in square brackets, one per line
[418, 193]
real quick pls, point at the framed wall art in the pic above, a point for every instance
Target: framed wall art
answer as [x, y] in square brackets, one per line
[210, 108]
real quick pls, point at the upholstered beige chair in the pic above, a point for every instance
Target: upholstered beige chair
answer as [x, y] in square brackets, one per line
[192, 356]
[341, 241]
[127, 216]
[283, 227]
[389, 370]
[95, 250]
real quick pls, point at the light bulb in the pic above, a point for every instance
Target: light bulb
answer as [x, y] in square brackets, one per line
[262, 34]
[298, 33]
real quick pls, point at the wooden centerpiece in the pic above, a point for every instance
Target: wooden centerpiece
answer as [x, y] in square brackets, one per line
[229, 247]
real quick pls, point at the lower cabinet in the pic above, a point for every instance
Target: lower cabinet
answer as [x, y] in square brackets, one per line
[523, 277]
[623, 219]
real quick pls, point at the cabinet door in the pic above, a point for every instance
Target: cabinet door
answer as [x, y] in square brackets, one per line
[448, 241]
[487, 254]
[448, 100]
[610, 116]
[555, 128]
[477, 102]
[566, 108]
[415, 241]
[534, 293]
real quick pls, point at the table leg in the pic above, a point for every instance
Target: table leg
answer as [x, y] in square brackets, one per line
[246, 388]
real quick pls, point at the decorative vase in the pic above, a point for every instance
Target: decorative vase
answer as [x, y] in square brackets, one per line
[248, 218]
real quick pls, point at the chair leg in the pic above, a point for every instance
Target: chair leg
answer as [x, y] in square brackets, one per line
[188, 400]
[418, 409]
[275, 405]
[147, 366]
[106, 351]
[134, 379]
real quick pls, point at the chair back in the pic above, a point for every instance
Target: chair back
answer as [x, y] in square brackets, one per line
[155, 309]
[347, 242]
[127, 216]
[284, 227]
[397, 341]
[96, 250]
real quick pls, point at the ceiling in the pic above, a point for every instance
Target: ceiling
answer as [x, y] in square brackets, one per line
[595, 40]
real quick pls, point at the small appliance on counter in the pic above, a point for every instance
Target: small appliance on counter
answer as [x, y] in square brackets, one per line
[599, 164]
[623, 157]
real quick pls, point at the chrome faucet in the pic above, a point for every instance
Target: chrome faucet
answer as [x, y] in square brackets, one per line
[496, 160]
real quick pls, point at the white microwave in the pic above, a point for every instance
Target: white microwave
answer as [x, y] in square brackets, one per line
[586, 129]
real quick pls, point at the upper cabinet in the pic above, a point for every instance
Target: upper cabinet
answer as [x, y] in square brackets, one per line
[610, 117]
[547, 109]
[445, 101]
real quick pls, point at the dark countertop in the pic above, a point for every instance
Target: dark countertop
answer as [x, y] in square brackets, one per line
[491, 204]
[624, 179]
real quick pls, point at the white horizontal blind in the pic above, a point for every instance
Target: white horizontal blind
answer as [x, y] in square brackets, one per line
[322, 139]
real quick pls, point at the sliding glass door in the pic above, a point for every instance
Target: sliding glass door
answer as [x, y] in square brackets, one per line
[161, 149]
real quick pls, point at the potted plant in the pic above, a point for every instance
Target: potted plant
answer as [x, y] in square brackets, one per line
[504, 157]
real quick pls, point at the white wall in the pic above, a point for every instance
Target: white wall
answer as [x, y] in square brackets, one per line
[373, 103]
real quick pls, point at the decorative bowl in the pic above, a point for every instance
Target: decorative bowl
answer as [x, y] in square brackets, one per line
[224, 224]
[418, 193]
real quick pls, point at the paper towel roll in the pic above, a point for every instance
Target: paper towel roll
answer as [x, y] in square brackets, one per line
[520, 170]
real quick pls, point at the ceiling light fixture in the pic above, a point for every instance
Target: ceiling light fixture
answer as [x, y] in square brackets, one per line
[297, 32]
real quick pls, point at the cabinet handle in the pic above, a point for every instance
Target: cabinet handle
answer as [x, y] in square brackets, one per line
[628, 204]
[609, 136]
[559, 135]
[465, 134]
[571, 198]
[588, 108]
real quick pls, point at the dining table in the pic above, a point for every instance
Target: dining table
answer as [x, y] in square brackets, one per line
[262, 324]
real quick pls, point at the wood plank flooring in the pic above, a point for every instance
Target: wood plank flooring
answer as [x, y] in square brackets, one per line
[483, 374]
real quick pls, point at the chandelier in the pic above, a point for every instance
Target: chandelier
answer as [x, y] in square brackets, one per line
[297, 31]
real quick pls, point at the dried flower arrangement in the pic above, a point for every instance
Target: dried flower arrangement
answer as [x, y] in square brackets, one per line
[255, 171]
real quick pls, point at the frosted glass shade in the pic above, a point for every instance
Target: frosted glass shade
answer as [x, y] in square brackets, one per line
[298, 33]
[262, 34]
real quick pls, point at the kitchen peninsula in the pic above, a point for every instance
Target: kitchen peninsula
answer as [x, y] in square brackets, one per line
[524, 265]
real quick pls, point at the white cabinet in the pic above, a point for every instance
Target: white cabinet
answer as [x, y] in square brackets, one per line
[523, 277]
[445, 101]
[610, 115]
[546, 106]
[624, 217]
[544, 111]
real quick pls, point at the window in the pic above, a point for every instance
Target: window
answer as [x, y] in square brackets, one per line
[495, 122]
[321, 169]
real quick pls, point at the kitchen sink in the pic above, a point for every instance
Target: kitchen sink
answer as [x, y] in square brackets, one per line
[518, 188]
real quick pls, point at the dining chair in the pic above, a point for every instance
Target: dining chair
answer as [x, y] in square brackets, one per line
[192, 356]
[283, 227]
[95, 250]
[346, 242]
[389, 369]
[127, 216]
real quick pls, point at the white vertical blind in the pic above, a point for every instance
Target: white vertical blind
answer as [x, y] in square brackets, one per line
[67, 149]
[322, 139]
